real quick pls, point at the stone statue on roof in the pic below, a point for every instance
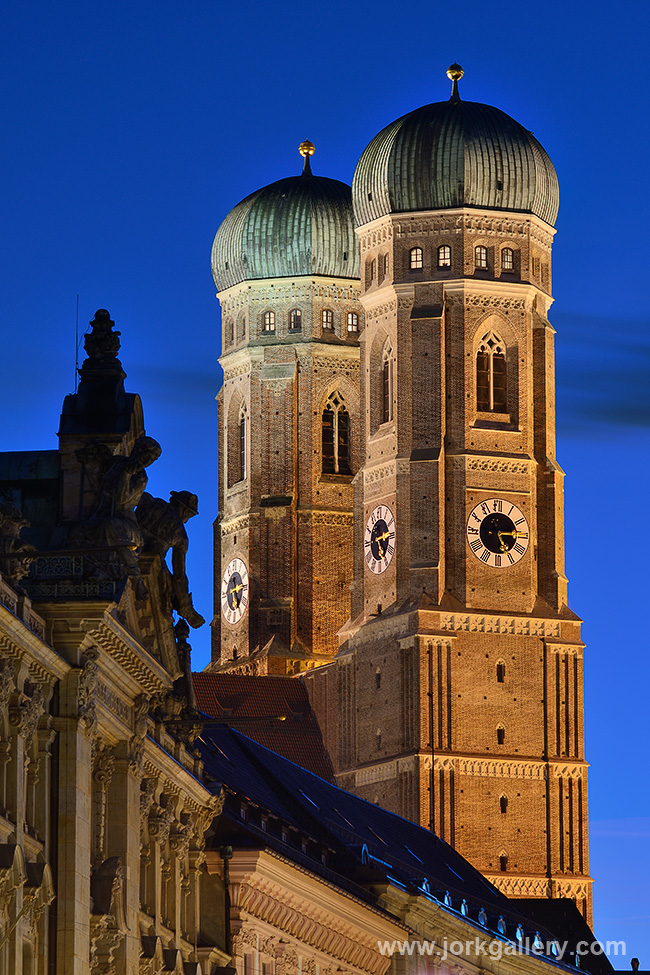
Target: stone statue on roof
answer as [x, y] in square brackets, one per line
[162, 524]
[111, 527]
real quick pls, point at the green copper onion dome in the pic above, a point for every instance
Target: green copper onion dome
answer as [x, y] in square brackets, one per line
[454, 154]
[301, 225]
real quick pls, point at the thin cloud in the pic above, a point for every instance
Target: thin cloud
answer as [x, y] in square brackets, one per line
[602, 372]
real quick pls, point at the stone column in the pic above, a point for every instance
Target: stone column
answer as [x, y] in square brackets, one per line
[123, 840]
[75, 821]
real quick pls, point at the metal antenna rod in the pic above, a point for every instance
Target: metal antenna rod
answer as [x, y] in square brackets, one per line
[76, 347]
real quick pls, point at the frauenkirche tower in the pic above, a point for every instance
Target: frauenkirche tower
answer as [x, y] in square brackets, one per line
[458, 685]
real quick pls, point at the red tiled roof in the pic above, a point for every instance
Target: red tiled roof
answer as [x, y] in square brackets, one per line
[273, 711]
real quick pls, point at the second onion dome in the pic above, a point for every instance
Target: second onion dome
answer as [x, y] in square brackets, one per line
[454, 154]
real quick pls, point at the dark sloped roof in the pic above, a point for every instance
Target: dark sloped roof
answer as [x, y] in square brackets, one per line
[275, 711]
[301, 225]
[365, 844]
[454, 154]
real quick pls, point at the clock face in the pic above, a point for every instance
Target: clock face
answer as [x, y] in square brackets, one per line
[498, 533]
[234, 591]
[379, 539]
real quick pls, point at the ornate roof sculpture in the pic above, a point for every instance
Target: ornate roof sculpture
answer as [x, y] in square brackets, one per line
[301, 225]
[454, 154]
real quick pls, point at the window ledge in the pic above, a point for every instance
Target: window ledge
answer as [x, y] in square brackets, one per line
[335, 478]
[239, 488]
[494, 421]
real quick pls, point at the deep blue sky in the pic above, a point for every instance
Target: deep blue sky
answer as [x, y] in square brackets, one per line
[129, 131]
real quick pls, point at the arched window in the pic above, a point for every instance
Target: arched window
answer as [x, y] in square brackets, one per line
[480, 257]
[327, 319]
[295, 320]
[491, 392]
[503, 804]
[353, 321]
[416, 259]
[230, 328]
[501, 672]
[268, 321]
[507, 259]
[373, 270]
[503, 863]
[242, 443]
[336, 436]
[378, 678]
[242, 326]
[383, 265]
[387, 384]
[444, 255]
[501, 735]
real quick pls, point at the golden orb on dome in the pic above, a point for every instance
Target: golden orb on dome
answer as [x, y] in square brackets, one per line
[455, 72]
[306, 148]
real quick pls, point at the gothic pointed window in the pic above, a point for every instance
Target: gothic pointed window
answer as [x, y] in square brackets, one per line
[416, 259]
[231, 332]
[387, 384]
[503, 862]
[491, 387]
[444, 255]
[503, 804]
[501, 672]
[501, 735]
[268, 321]
[336, 436]
[295, 320]
[242, 444]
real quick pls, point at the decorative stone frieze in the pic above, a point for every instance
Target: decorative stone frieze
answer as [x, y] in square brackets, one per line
[521, 626]
[87, 690]
[495, 768]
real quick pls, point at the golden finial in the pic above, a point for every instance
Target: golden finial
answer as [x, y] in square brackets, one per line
[306, 149]
[454, 73]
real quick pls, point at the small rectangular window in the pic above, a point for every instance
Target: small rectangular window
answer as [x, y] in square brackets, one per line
[481, 257]
[507, 259]
[268, 321]
[327, 318]
[353, 321]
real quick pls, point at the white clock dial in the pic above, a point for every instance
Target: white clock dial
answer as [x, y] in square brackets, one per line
[379, 539]
[498, 533]
[234, 591]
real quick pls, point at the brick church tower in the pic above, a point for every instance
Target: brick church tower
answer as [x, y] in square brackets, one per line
[286, 265]
[456, 699]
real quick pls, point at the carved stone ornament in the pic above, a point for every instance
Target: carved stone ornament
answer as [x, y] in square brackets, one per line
[87, 690]
[8, 671]
[108, 922]
[111, 529]
[160, 821]
[15, 559]
[24, 717]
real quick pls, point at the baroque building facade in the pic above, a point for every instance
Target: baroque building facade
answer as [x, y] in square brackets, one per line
[454, 692]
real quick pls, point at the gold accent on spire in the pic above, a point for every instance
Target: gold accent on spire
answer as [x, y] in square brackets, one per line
[454, 73]
[307, 148]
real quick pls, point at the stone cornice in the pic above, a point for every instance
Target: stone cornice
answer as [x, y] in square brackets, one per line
[124, 649]
[308, 908]
[498, 465]
[19, 641]
[502, 223]
[288, 289]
